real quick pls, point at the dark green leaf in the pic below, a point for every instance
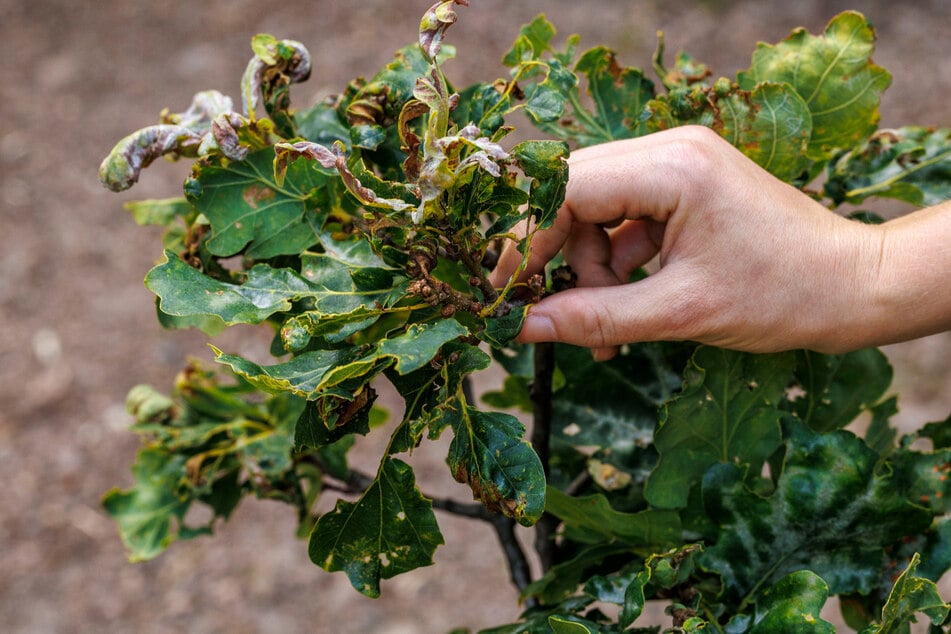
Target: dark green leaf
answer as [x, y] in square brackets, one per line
[832, 512]
[390, 530]
[593, 515]
[499, 331]
[250, 212]
[727, 412]
[614, 403]
[503, 471]
[839, 387]
[880, 435]
[545, 162]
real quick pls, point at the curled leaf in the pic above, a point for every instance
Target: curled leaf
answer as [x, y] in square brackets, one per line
[205, 106]
[278, 62]
[224, 131]
[120, 170]
[331, 158]
[436, 20]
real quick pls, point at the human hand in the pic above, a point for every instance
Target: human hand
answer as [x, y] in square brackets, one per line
[747, 261]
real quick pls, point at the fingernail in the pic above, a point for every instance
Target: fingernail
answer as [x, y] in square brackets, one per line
[536, 327]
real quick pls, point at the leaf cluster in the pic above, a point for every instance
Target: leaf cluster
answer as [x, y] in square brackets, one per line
[361, 231]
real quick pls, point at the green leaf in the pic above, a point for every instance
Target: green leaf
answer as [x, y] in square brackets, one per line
[312, 372]
[161, 212]
[545, 162]
[839, 387]
[726, 412]
[771, 125]
[250, 213]
[503, 471]
[835, 76]
[923, 477]
[792, 606]
[564, 577]
[561, 625]
[593, 515]
[428, 391]
[912, 164]
[390, 530]
[910, 594]
[533, 40]
[419, 344]
[328, 420]
[499, 331]
[335, 287]
[880, 435]
[622, 412]
[832, 512]
[150, 513]
[619, 93]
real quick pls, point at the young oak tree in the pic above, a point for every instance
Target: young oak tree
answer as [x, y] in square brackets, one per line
[361, 231]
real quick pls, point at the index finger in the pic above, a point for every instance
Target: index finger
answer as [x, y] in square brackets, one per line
[608, 183]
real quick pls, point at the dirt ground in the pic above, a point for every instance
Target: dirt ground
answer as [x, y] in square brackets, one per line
[77, 327]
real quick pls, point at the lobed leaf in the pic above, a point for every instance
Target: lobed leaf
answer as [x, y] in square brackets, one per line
[310, 373]
[793, 605]
[832, 512]
[727, 412]
[335, 287]
[150, 513]
[250, 212]
[837, 388]
[910, 594]
[390, 530]
[834, 75]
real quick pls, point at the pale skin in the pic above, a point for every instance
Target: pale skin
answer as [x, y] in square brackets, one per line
[747, 262]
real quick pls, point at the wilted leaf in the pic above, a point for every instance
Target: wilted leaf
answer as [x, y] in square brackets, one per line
[336, 287]
[910, 594]
[150, 513]
[545, 162]
[771, 125]
[390, 530]
[912, 164]
[619, 94]
[833, 73]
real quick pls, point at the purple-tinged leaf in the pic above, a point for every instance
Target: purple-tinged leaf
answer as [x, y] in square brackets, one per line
[436, 20]
[121, 169]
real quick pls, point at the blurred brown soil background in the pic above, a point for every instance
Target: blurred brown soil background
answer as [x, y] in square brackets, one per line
[77, 327]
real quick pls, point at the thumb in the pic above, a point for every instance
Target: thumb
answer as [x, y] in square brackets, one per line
[604, 317]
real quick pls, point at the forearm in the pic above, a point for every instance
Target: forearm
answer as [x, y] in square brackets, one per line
[911, 294]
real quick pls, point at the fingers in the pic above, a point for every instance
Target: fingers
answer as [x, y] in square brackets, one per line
[606, 317]
[634, 179]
